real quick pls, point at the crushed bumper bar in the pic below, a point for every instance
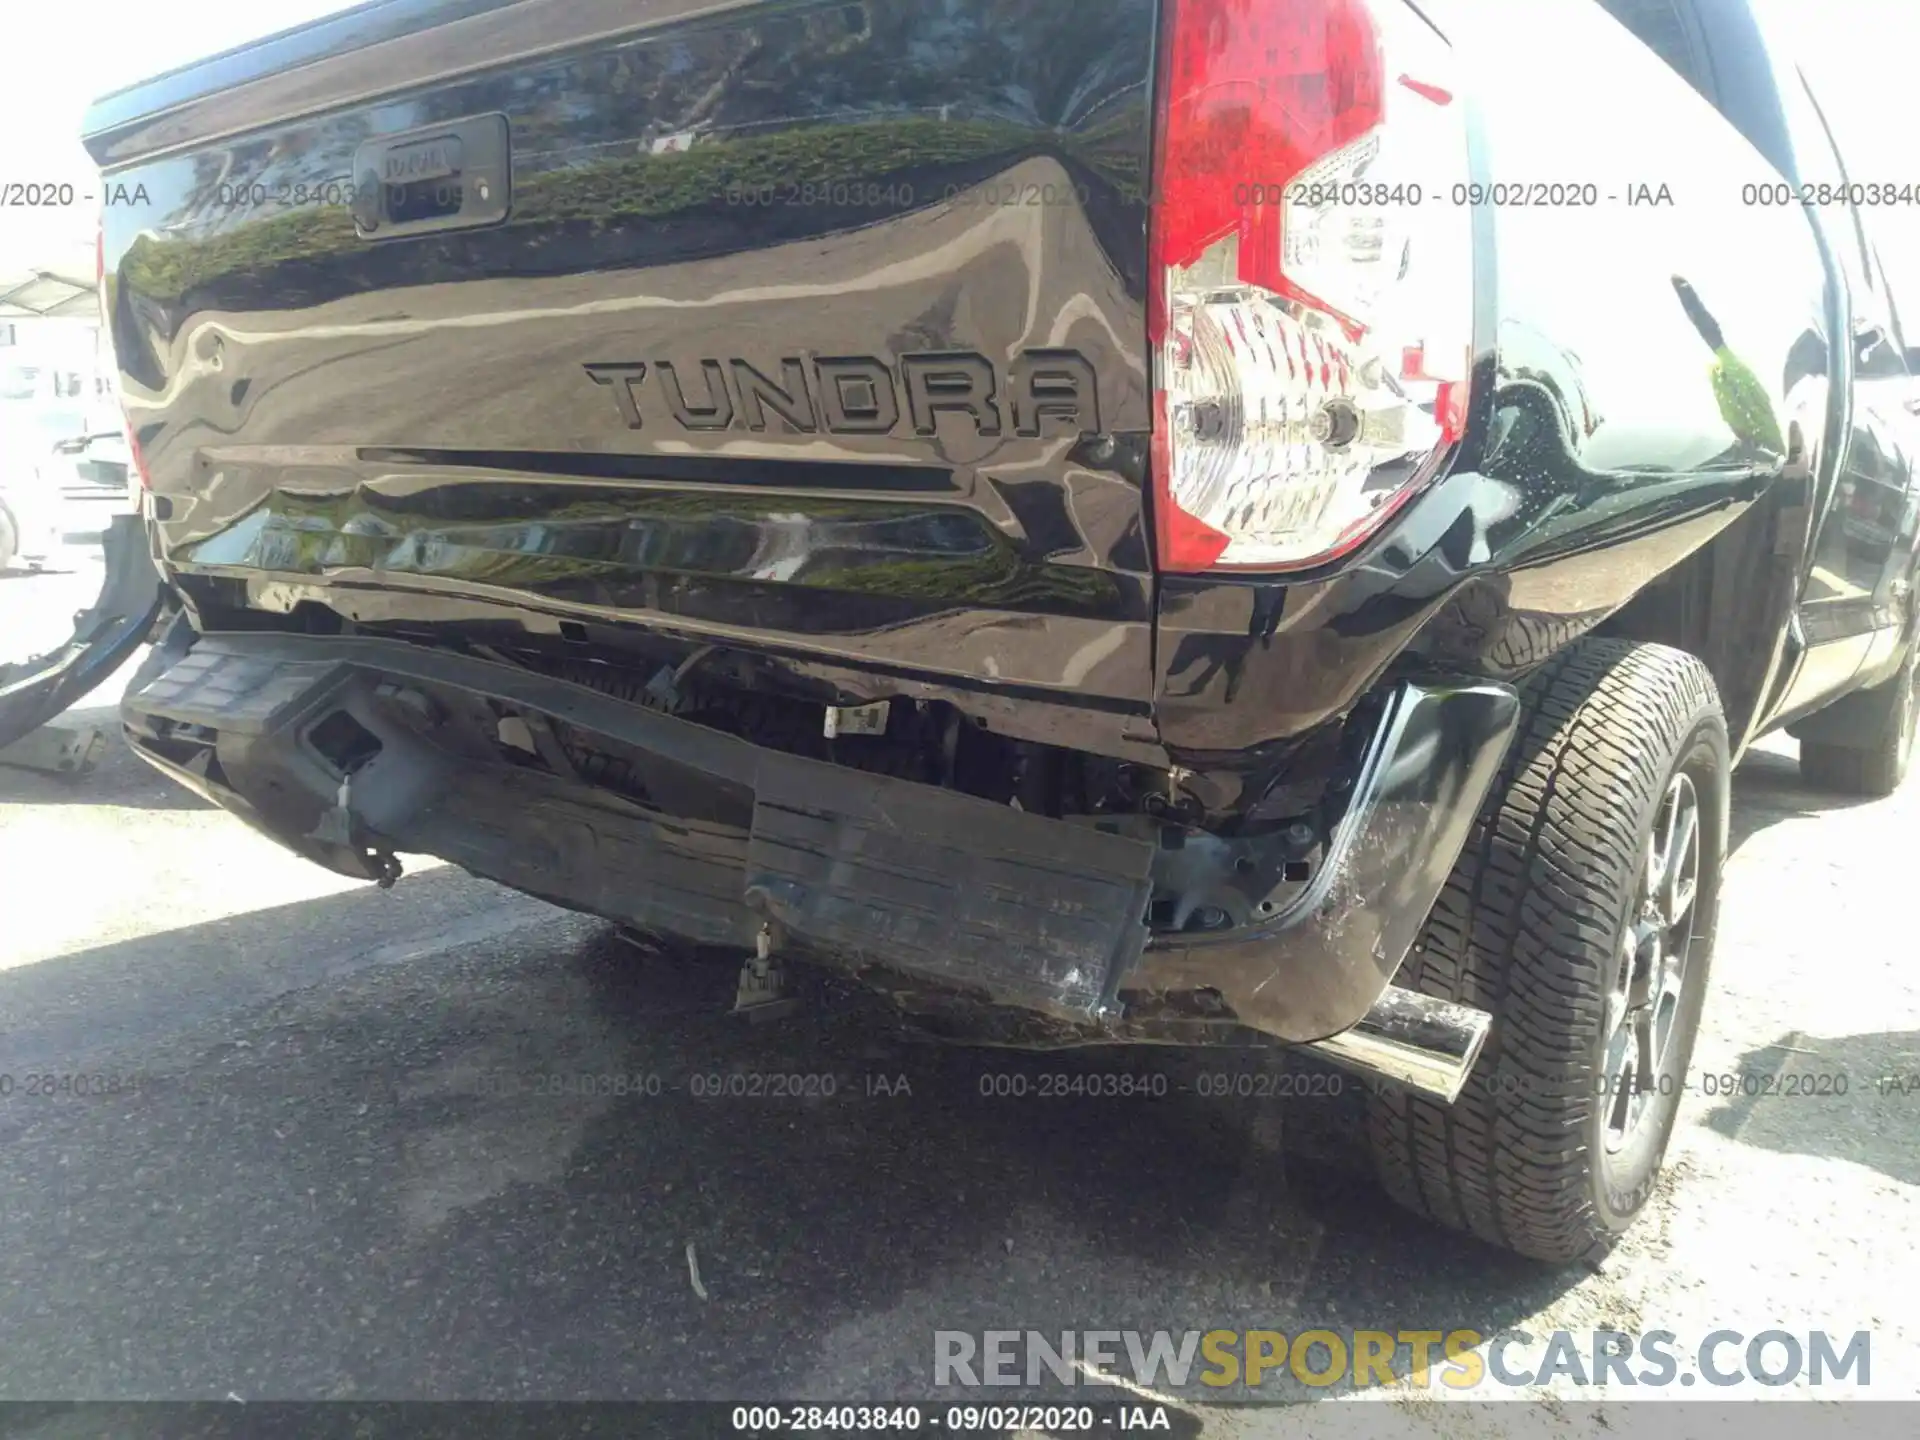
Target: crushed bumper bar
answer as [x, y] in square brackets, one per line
[860, 870]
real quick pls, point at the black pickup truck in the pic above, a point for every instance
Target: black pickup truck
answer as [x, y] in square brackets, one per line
[1163, 521]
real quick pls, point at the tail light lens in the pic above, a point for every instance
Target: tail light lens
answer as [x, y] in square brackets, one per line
[135, 459]
[1311, 306]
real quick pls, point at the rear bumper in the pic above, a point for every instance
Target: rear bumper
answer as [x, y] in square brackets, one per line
[1039, 916]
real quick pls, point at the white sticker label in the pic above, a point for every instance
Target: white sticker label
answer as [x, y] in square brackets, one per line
[857, 719]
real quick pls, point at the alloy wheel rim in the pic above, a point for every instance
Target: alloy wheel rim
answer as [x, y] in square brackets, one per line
[1643, 1003]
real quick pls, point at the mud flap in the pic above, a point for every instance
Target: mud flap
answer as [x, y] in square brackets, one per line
[35, 691]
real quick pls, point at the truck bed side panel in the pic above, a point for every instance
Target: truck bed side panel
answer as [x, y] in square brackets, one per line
[1615, 429]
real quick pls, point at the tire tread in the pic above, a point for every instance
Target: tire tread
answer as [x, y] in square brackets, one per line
[1525, 928]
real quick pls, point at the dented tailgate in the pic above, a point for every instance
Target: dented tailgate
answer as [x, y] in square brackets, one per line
[815, 328]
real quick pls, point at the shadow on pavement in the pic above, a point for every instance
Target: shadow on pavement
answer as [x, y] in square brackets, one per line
[55, 1014]
[1794, 1097]
[456, 1144]
[48, 569]
[119, 778]
[1767, 789]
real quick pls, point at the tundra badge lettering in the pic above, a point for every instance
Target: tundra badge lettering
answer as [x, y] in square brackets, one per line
[859, 394]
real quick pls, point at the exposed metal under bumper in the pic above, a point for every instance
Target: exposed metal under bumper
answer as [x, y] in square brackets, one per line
[352, 749]
[1413, 1040]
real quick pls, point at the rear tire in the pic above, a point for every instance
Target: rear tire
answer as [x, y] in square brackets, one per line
[1581, 916]
[1878, 767]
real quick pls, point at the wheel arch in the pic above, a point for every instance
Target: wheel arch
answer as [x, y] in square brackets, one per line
[1730, 603]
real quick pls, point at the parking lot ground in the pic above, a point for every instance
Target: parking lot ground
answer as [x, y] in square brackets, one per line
[446, 1141]
[37, 606]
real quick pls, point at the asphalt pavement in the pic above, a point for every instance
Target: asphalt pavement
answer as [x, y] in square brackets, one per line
[445, 1141]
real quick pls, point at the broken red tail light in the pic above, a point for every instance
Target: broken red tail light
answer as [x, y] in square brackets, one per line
[1311, 295]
